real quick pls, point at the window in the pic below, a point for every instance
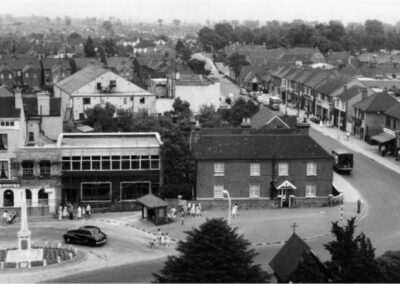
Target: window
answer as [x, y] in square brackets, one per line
[105, 163]
[254, 169]
[76, 163]
[254, 191]
[311, 190]
[4, 174]
[44, 168]
[134, 190]
[142, 100]
[26, 75]
[218, 191]
[145, 162]
[125, 101]
[10, 76]
[219, 169]
[96, 163]
[86, 163]
[66, 163]
[96, 191]
[86, 101]
[283, 169]
[31, 136]
[135, 162]
[27, 168]
[98, 86]
[387, 122]
[125, 163]
[3, 142]
[311, 169]
[116, 162]
[155, 162]
[43, 197]
[113, 83]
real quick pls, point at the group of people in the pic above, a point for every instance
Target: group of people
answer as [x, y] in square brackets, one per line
[161, 240]
[194, 209]
[8, 217]
[67, 211]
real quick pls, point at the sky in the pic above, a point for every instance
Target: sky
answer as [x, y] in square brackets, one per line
[214, 10]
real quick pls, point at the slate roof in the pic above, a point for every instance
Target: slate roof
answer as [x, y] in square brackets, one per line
[82, 62]
[258, 146]
[286, 261]
[4, 92]
[263, 116]
[350, 93]
[7, 108]
[332, 84]
[152, 201]
[19, 63]
[80, 78]
[377, 102]
[32, 107]
[49, 63]
[394, 111]
[118, 62]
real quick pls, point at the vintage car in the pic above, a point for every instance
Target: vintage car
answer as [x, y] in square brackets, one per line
[87, 235]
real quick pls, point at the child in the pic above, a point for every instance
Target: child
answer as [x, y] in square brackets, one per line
[167, 239]
[162, 240]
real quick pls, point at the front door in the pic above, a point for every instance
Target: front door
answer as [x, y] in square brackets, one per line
[285, 198]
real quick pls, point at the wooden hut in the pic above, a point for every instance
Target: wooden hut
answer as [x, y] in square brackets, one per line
[154, 209]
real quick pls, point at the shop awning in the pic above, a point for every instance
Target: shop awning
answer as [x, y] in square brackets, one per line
[286, 184]
[383, 137]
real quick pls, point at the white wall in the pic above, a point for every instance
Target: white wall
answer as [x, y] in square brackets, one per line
[163, 105]
[199, 95]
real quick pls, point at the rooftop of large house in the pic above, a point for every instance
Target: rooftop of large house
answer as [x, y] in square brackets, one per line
[376, 103]
[258, 146]
[109, 140]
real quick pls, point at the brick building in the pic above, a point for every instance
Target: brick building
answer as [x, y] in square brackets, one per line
[262, 170]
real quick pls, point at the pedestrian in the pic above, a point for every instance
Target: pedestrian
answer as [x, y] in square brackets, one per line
[235, 211]
[4, 218]
[159, 234]
[182, 219]
[71, 212]
[167, 240]
[60, 212]
[88, 210]
[162, 240]
[65, 212]
[79, 213]
[359, 206]
[189, 207]
[348, 136]
[193, 210]
[198, 212]
[83, 211]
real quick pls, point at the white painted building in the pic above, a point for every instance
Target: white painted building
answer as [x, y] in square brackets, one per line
[95, 85]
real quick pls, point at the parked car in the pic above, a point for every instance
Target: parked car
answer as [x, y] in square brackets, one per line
[315, 120]
[87, 235]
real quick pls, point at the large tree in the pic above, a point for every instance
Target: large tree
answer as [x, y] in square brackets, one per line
[101, 118]
[213, 253]
[389, 264]
[88, 48]
[241, 109]
[236, 61]
[352, 258]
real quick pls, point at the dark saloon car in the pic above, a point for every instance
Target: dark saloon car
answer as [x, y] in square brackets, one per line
[87, 235]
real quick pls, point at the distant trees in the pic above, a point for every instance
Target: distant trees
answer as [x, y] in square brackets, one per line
[176, 22]
[213, 253]
[182, 51]
[88, 48]
[372, 34]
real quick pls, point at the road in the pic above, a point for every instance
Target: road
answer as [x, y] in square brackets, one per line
[378, 186]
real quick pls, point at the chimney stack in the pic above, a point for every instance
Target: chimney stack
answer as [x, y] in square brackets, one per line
[364, 93]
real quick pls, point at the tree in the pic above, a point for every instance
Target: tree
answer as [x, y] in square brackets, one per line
[110, 47]
[209, 117]
[101, 118]
[198, 66]
[210, 39]
[181, 109]
[213, 253]
[375, 34]
[352, 258]
[74, 68]
[107, 25]
[389, 264]
[88, 48]
[310, 270]
[241, 109]
[236, 61]
[160, 22]
[176, 22]
[102, 54]
[225, 32]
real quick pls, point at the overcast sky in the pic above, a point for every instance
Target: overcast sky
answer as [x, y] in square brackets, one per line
[215, 10]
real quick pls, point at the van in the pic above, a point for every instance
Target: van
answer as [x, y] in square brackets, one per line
[343, 161]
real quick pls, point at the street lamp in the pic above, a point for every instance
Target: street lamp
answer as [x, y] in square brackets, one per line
[229, 205]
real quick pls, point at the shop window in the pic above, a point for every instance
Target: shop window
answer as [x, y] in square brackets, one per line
[76, 163]
[125, 163]
[4, 170]
[134, 190]
[96, 191]
[3, 142]
[96, 163]
[45, 168]
[27, 168]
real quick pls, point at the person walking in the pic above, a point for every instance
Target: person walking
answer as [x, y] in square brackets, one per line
[193, 210]
[182, 219]
[167, 240]
[4, 218]
[88, 210]
[83, 211]
[235, 210]
[71, 211]
[60, 212]
[162, 240]
[79, 213]
[65, 212]
[198, 212]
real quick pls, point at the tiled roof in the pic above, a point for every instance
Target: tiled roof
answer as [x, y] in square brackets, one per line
[49, 63]
[350, 93]
[263, 116]
[256, 146]
[152, 201]
[376, 102]
[286, 261]
[7, 108]
[394, 111]
[82, 62]
[332, 84]
[117, 62]
[19, 63]
[4, 92]
[81, 78]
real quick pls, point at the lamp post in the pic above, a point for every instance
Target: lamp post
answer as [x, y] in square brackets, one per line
[229, 205]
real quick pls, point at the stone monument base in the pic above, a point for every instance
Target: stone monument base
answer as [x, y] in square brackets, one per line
[26, 255]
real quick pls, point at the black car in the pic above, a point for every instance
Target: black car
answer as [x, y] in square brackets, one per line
[88, 235]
